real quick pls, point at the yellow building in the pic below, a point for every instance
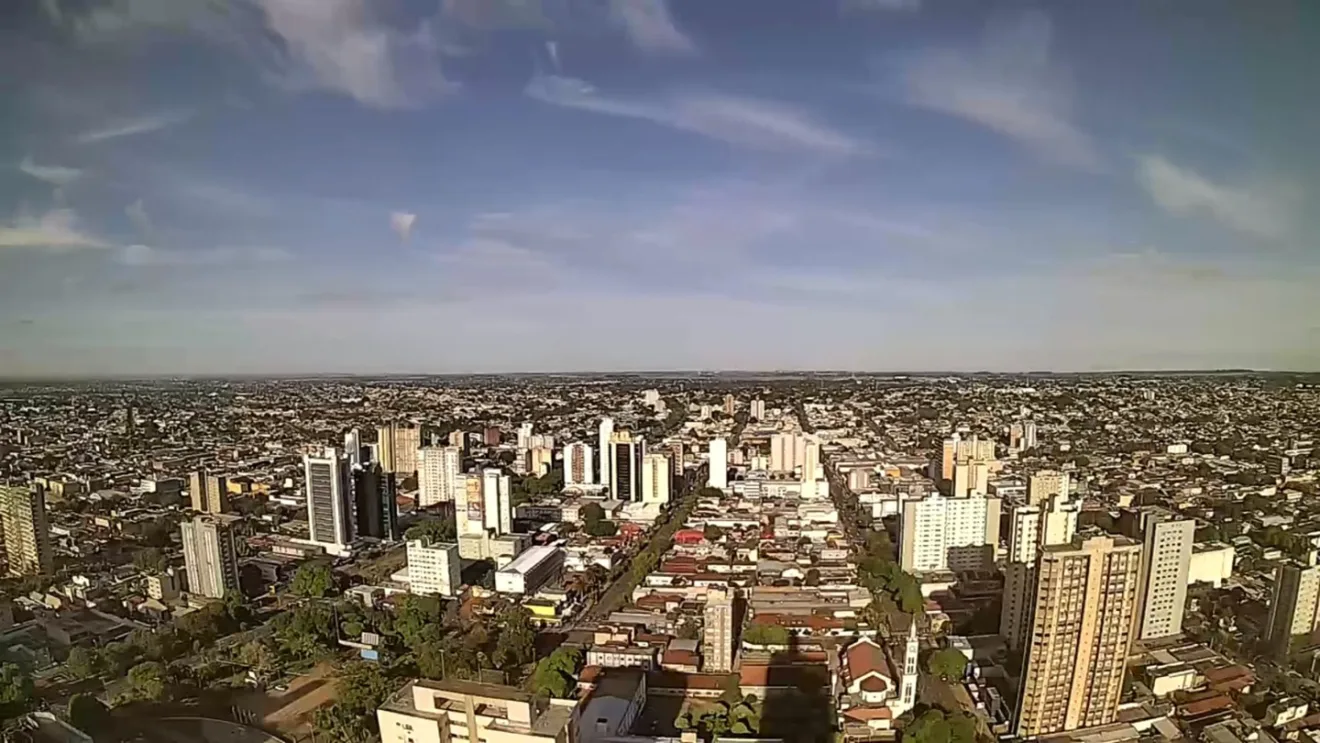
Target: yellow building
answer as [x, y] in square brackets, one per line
[468, 712]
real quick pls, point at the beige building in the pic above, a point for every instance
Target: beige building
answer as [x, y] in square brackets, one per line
[1047, 484]
[655, 478]
[971, 453]
[396, 447]
[438, 474]
[717, 636]
[1082, 623]
[941, 533]
[469, 712]
[209, 555]
[209, 493]
[539, 460]
[433, 568]
[24, 531]
[1030, 527]
[1295, 605]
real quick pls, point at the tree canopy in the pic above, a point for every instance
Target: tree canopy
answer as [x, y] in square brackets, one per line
[16, 692]
[313, 580]
[937, 726]
[433, 530]
[947, 664]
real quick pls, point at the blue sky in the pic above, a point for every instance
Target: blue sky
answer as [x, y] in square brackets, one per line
[295, 186]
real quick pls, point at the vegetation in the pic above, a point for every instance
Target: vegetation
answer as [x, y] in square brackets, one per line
[433, 530]
[766, 634]
[361, 688]
[556, 675]
[947, 664]
[313, 580]
[16, 692]
[937, 726]
[88, 714]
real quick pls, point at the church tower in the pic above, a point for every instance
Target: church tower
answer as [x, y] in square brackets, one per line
[908, 686]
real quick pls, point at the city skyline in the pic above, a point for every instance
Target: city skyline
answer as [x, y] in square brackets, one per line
[296, 187]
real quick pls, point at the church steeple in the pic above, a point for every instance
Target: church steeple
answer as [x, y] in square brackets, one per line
[908, 686]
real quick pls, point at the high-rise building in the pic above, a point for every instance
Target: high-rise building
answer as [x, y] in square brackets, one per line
[209, 493]
[788, 452]
[470, 509]
[717, 636]
[1046, 484]
[524, 440]
[578, 467]
[209, 555]
[1030, 527]
[1082, 622]
[458, 438]
[497, 499]
[1166, 559]
[438, 468]
[377, 511]
[1022, 436]
[626, 466]
[718, 477]
[811, 469]
[397, 447]
[655, 478]
[1294, 605]
[433, 568]
[941, 533]
[975, 454]
[329, 499]
[606, 453]
[539, 460]
[757, 409]
[353, 447]
[24, 530]
[677, 455]
[492, 436]
[730, 404]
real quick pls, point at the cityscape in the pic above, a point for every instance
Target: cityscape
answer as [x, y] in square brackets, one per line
[822, 557]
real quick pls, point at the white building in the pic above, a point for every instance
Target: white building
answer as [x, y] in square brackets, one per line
[1030, 528]
[1166, 559]
[606, 433]
[788, 452]
[1212, 563]
[470, 505]
[656, 472]
[438, 470]
[719, 464]
[1046, 484]
[578, 467]
[329, 500]
[525, 436]
[433, 568]
[470, 712]
[941, 533]
[757, 409]
[539, 460]
[209, 555]
[717, 635]
[497, 499]
[811, 482]
[530, 570]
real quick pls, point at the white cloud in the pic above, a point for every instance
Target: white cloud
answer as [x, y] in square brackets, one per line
[402, 223]
[1263, 210]
[651, 27]
[1009, 85]
[746, 122]
[145, 255]
[137, 213]
[53, 174]
[849, 6]
[57, 229]
[337, 45]
[140, 125]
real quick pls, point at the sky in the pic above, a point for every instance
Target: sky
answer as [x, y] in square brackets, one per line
[437, 186]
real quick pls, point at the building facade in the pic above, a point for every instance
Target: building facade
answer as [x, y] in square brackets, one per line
[433, 568]
[718, 477]
[941, 533]
[329, 499]
[579, 469]
[210, 555]
[24, 531]
[438, 470]
[656, 473]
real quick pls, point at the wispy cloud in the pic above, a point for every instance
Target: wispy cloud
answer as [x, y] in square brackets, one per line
[57, 229]
[1009, 84]
[53, 174]
[145, 255]
[854, 6]
[746, 122]
[651, 27]
[140, 125]
[402, 223]
[1263, 209]
[137, 214]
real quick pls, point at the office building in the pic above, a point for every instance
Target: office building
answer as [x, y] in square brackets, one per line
[757, 409]
[433, 569]
[717, 634]
[788, 452]
[329, 500]
[497, 496]
[1022, 436]
[1294, 605]
[730, 404]
[539, 460]
[1047, 484]
[24, 530]
[1083, 618]
[209, 493]
[942, 533]
[530, 570]
[438, 470]
[811, 469]
[578, 467]
[397, 445]
[471, 712]
[492, 436]
[470, 509]
[655, 478]
[209, 555]
[626, 466]
[354, 449]
[524, 436]
[606, 452]
[975, 457]
[718, 477]
[1030, 527]
[1166, 559]
[375, 493]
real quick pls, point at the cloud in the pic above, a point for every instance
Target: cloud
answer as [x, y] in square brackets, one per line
[1008, 85]
[338, 46]
[57, 229]
[402, 223]
[651, 27]
[137, 214]
[745, 122]
[145, 255]
[53, 174]
[1263, 210]
[140, 125]
[871, 6]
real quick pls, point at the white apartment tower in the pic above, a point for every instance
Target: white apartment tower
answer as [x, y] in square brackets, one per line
[578, 467]
[811, 469]
[719, 464]
[438, 470]
[717, 636]
[787, 452]
[470, 505]
[1046, 484]
[942, 533]
[1166, 559]
[1030, 528]
[433, 568]
[757, 409]
[210, 556]
[655, 478]
[1294, 606]
[606, 433]
[497, 501]
[329, 499]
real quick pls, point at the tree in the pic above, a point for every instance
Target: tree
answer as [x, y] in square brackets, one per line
[261, 659]
[937, 726]
[602, 528]
[556, 674]
[516, 645]
[812, 577]
[433, 530]
[591, 514]
[150, 560]
[149, 680]
[418, 620]
[947, 664]
[313, 580]
[84, 663]
[305, 632]
[712, 533]
[16, 692]
[766, 634]
[88, 714]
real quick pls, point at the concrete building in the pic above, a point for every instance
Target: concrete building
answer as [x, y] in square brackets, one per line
[209, 493]
[397, 446]
[376, 509]
[329, 500]
[539, 460]
[971, 452]
[438, 471]
[470, 712]
[719, 464]
[757, 409]
[578, 467]
[24, 531]
[1046, 484]
[811, 482]
[1166, 561]
[787, 451]
[1030, 527]
[606, 456]
[1022, 436]
[1294, 606]
[941, 533]
[655, 478]
[433, 569]
[1211, 563]
[1082, 624]
[530, 570]
[625, 455]
[470, 508]
[497, 499]
[209, 555]
[718, 633]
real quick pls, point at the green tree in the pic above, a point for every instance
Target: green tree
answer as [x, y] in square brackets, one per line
[16, 692]
[556, 674]
[150, 560]
[947, 664]
[602, 528]
[313, 580]
[305, 632]
[261, 659]
[149, 680]
[712, 533]
[433, 530]
[591, 513]
[88, 715]
[766, 634]
[84, 663]
[418, 620]
[516, 645]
